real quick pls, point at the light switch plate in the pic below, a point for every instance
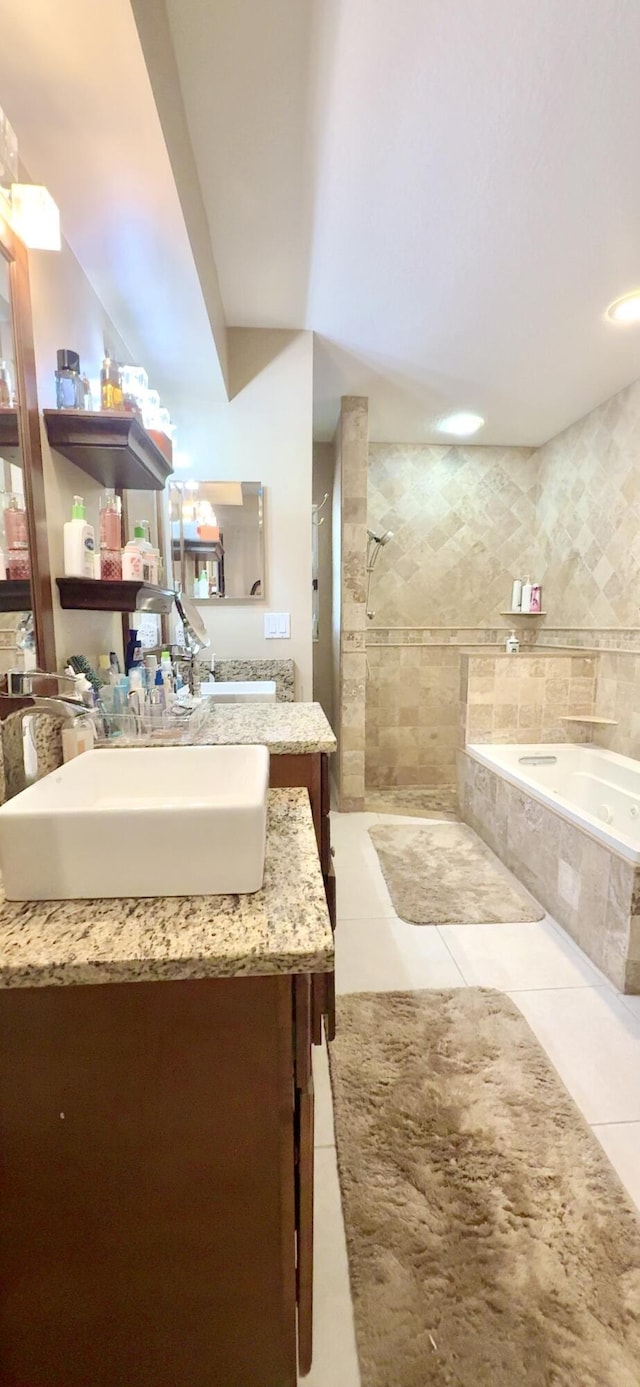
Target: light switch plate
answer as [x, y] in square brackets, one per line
[277, 626]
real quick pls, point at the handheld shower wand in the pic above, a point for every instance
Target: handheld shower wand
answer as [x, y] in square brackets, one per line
[376, 543]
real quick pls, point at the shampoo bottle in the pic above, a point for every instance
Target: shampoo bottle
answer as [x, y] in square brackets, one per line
[526, 596]
[79, 543]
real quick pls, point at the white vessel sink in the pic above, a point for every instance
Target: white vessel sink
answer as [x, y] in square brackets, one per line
[240, 691]
[149, 821]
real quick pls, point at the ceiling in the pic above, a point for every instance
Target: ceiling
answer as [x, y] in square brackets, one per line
[447, 194]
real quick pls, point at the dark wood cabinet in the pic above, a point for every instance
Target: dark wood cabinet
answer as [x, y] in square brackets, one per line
[156, 1184]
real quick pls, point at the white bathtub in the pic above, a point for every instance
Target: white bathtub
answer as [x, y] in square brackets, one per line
[598, 790]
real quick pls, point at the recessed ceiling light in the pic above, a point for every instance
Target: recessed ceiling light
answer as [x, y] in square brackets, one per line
[462, 425]
[625, 309]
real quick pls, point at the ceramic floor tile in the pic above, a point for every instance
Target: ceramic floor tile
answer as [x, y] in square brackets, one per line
[632, 1004]
[518, 956]
[594, 1042]
[324, 1133]
[361, 891]
[387, 955]
[621, 1141]
[335, 1360]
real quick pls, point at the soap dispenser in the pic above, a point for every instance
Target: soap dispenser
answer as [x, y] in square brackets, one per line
[512, 645]
[79, 543]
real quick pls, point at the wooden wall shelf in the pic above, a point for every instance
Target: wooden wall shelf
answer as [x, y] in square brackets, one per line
[94, 595]
[15, 595]
[9, 434]
[114, 449]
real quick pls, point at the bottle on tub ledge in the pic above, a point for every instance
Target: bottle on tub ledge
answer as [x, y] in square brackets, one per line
[512, 644]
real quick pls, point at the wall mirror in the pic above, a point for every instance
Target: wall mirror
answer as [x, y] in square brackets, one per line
[26, 621]
[217, 540]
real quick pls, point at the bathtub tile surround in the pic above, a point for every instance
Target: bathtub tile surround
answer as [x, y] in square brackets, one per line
[587, 886]
[523, 698]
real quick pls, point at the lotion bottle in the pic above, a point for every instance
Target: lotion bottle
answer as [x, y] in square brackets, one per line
[79, 543]
[512, 645]
[526, 596]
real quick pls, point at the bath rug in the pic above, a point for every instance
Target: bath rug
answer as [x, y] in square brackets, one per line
[490, 1243]
[443, 874]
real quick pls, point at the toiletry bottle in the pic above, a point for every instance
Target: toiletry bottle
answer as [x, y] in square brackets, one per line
[79, 543]
[147, 551]
[161, 692]
[526, 596]
[18, 565]
[110, 386]
[77, 738]
[6, 392]
[110, 537]
[512, 645]
[70, 393]
[132, 566]
[133, 655]
[535, 601]
[516, 595]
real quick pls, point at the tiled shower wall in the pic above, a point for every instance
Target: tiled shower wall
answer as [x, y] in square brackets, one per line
[465, 522]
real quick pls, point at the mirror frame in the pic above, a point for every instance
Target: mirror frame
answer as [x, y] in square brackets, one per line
[15, 253]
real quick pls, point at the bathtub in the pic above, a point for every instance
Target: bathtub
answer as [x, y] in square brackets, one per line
[598, 791]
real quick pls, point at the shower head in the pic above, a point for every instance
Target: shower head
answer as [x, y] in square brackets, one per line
[380, 539]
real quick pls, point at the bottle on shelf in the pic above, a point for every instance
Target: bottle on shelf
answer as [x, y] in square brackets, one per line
[79, 543]
[6, 391]
[110, 385]
[150, 555]
[110, 536]
[17, 560]
[526, 596]
[516, 595]
[70, 391]
[535, 601]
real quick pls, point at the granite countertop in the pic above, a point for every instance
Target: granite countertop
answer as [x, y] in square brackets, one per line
[283, 928]
[282, 727]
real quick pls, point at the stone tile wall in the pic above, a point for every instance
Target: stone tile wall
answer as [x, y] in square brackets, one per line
[352, 443]
[523, 698]
[588, 517]
[591, 891]
[412, 715]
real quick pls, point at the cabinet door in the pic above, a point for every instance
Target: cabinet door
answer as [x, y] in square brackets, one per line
[304, 1210]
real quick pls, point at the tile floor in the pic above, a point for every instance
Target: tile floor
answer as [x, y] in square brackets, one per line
[590, 1033]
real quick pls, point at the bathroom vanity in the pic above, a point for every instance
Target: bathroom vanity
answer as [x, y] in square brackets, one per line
[156, 1100]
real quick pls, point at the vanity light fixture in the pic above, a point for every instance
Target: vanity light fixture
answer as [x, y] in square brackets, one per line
[461, 425]
[626, 309]
[35, 216]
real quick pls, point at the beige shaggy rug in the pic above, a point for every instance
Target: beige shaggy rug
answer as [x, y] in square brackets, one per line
[443, 874]
[490, 1242]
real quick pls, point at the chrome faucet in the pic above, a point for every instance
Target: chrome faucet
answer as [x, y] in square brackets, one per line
[64, 711]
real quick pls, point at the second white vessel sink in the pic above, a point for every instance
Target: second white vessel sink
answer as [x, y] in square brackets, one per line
[145, 821]
[240, 690]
